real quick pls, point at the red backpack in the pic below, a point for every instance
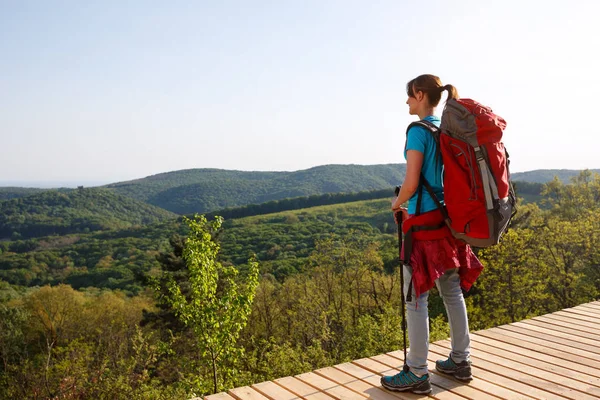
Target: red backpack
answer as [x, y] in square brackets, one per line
[479, 198]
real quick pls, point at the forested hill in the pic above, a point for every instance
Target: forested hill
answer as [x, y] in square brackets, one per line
[546, 175]
[205, 190]
[55, 212]
[7, 193]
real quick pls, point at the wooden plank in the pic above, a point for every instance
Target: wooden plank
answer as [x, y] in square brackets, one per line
[535, 377]
[588, 308]
[580, 326]
[589, 383]
[573, 322]
[246, 393]
[357, 385]
[219, 396]
[581, 306]
[301, 389]
[558, 333]
[560, 357]
[574, 316]
[524, 390]
[544, 340]
[559, 328]
[583, 313]
[382, 369]
[504, 376]
[479, 382]
[327, 386]
[462, 389]
[592, 351]
[591, 306]
[372, 379]
[274, 391]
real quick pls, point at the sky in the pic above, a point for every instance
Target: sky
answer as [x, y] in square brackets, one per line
[108, 91]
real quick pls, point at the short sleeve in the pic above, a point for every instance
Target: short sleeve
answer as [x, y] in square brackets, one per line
[416, 139]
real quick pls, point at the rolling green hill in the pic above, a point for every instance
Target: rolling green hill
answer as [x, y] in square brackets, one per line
[53, 212]
[204, 190]
[546, 175]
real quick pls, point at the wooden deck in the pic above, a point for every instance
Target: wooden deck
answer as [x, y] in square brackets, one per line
[554, 356]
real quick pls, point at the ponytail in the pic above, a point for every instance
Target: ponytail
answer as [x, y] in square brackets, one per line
[452, 92]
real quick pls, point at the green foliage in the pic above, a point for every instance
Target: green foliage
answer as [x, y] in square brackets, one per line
[216, 305]
[56, 342]
[107, 259]
[283, 241]
[53, 212]
[513, 283]
[529, 192]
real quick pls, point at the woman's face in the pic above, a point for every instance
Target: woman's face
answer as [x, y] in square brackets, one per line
[414, 102]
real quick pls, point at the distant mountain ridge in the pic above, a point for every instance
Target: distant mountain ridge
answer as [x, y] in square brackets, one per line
[546, 175]
[205, 190]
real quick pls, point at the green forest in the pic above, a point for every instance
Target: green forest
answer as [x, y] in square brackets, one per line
[138, 303]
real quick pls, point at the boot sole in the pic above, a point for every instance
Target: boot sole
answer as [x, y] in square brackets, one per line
[455, 374]
[407, 389]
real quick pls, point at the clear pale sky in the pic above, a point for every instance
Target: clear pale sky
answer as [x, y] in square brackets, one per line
[105, 91]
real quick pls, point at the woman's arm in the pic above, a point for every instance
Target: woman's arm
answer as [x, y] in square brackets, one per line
[414, 162]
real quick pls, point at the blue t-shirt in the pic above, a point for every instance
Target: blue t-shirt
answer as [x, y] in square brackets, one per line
[421, 140]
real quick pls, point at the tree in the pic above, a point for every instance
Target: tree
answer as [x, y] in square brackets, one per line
[566, 248]
[580, 196]
[217, 306]
[56, 318]
[513, 283]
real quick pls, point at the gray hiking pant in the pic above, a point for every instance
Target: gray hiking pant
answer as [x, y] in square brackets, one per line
[418, 321]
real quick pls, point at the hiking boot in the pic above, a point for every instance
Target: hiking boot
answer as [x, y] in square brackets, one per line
[405, 380]
[461, 371]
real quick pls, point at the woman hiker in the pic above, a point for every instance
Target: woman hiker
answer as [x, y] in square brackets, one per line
[435, 256]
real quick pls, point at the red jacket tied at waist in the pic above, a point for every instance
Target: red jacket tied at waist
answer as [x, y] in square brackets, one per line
[436, 251]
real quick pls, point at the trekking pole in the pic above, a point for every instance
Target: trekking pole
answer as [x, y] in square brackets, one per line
[399, 217]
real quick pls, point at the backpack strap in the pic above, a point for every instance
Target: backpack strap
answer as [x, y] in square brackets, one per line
[423, 182]
[434, 130]
[430, 126]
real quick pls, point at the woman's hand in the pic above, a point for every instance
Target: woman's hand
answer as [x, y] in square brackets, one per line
[400, 214]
